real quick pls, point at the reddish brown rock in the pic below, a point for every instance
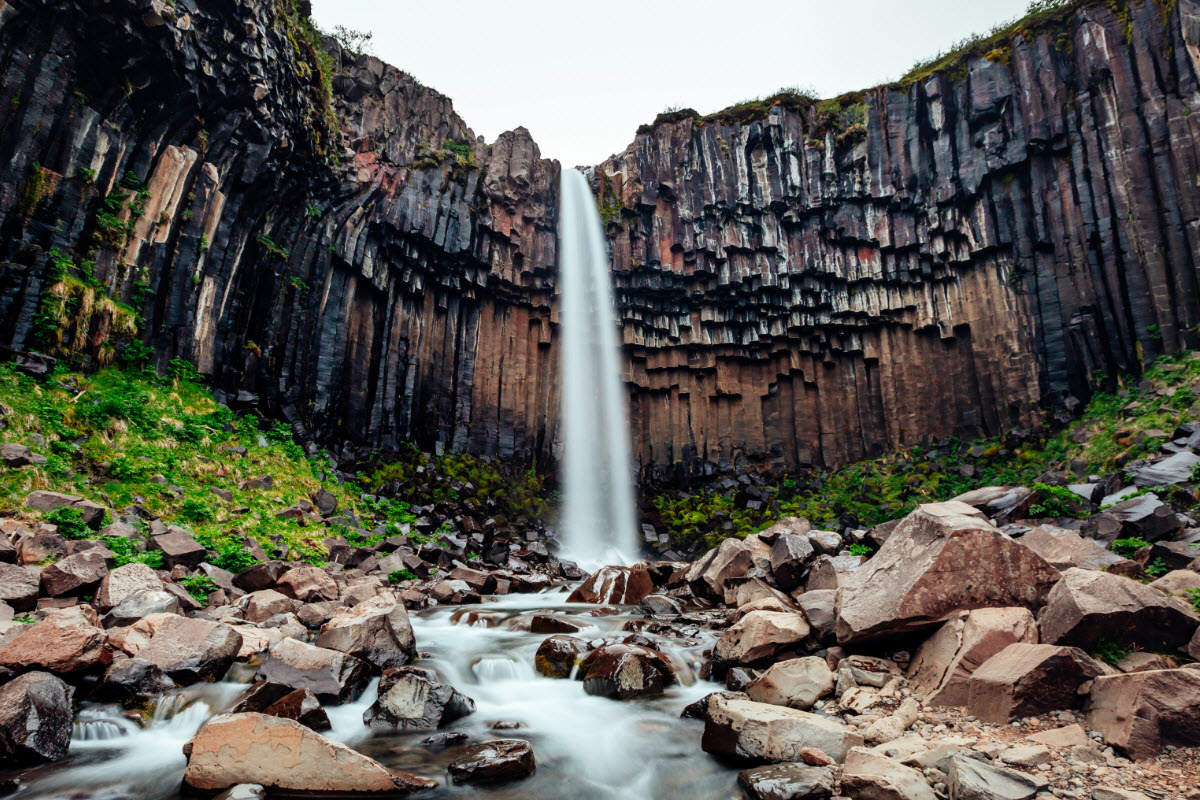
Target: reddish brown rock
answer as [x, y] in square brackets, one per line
[77, 574]
[1141, 712]
[68, 641]
[732, 559]
[329, 674]
[286, 756]
[493, 762]
[943, 665]
[19, 586]
[1063, 549]
[758, 637]
[903, 587]
[192, 650]
[624, 671]
[557, 656]
[1088, 606]
[620, 585]
[307, 584]
[1026, 680]
[93, 514]
[377, 631]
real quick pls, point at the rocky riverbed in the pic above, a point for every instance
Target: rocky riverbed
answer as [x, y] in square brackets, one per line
[959, 660]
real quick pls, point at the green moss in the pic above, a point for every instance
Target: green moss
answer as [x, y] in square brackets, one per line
[37, 184]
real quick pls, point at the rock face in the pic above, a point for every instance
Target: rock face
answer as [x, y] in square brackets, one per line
[903, 587]
[280, 754]
[35, 719]
[780, 270]
[1141, 712]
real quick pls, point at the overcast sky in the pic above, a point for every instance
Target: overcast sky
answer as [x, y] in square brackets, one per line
[582, 77]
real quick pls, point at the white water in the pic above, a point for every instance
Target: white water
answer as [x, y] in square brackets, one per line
[599, 523]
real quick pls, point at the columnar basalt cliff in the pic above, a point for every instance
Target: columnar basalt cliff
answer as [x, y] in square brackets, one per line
[379, 281]
[949, 257]
[798, 283]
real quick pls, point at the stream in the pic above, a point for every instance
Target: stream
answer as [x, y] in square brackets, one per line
[587, 748]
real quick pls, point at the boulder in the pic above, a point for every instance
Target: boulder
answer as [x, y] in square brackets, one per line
[791, 556]
[1025, 680]
[944, 663]
[619, 585]
[1180, 583]
[68, 641]
[1002, 504]
[283, 755]
[377, 631]
[626, 671]
[133, 679]
[179, 549]
[742, 730]
[1059, 738]
[797, 683]
[331, 675]
[77, 574]
[192, 650]
[263, 604]
[1140, 713]
[93, 514]
[830, 572]
[903, 587]
[972, 779]
[786, 782]
[732, 559]
[122, 582]
[820, 610]
[140, 605]
[660, 605]
[478, 580]
[868, 775]
[307, 584]
[413, 699]
[302, 706]
[17, 455]
[19, 587]
[1168, 471]
[1088, 606]
[259, 576]
[493, 762]
[557, 656]
[894, 725]
[1193, 648]
[758, 638]
[35, 720]
[1063, 549]
[1144, 517]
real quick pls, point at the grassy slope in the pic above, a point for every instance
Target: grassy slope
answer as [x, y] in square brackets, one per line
[124, 437]
[1105, 438]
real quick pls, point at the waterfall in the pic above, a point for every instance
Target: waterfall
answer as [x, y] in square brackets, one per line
[599, 524]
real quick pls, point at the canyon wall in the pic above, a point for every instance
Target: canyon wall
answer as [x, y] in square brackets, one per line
[798, 283]
[354, 275]
[950, 257]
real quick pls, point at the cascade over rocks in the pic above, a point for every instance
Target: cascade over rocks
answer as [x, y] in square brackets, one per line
[903, 588]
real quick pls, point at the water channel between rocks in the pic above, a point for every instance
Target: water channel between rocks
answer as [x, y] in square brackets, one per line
[587, 748]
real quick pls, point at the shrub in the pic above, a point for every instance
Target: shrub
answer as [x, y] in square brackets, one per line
[199, 587]
[1194, 596]
[195, 511]
[1057, 501]
[862, 550]
[1111, 652]
[233, 557]
[69, 522]
[1158, 568]
[126, 552]
[401, 575]
[1127, 547]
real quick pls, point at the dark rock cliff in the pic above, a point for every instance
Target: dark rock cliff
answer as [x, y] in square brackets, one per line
[798, 283]
[950, 257]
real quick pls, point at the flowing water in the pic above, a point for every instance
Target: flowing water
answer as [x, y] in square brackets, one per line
[600, 526]
[587, 748]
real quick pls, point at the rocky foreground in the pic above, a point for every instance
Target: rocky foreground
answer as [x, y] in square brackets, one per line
[960, 660]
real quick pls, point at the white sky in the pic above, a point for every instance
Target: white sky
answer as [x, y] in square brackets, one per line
[582, 80]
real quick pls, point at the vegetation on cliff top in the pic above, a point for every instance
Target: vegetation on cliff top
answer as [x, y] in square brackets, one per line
[1115, 429]
[1042, 18]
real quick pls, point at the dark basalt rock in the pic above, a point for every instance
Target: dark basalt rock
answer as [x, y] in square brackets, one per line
[35, 719]
[493, 762]
[413, 699]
